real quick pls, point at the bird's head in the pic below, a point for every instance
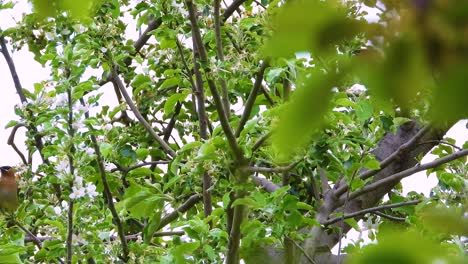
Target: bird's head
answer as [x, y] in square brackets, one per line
[7, 171]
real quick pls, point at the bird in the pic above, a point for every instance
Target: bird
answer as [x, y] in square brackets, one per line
[8, 189]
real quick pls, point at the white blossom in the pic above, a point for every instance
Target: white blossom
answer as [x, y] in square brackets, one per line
[91, 190]
[61, 100]
[57, 210]
[77, 192]
[107, 127]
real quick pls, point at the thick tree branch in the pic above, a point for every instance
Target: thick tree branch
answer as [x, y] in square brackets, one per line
[408, 172]
[146, 125]
[265, 184]
[214, 90]
[251, 99]
[230, 9]
[203, 121]
[11, 65]
[318, 237]
[219, 52]
[369, 210]
[403, 149]
[19, 89]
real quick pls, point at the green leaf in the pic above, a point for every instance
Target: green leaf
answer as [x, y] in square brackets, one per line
[304, 114]
[106, 149]
[304, 206]
[12, 123]
[171, 101]
[207, 151]
[364, 111]
[152, 226]
[184, 249]
[353, 223]
[142, 153]
[446, 220]
[170, 82]
[402, 247]
[311, 25]
[6, 5]
[372, 164]
[273, 74]
[246, 201]
[140, 172]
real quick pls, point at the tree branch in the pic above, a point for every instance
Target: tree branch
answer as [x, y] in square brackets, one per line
[261, 141]
[251, 99]
[168, 130]
[368, 210]
[147, 163]
[400, 175]
[265, 184]
[70, 153]
[191, 201]
[11, 142]
[214, 91]
[219, 52]
[11, 65]
[404, 148]
[146, 125]
[274, 170]
[230, 9]
[391, 217]
[19, 89]
[138, 44]
[107, 192]
[203, 121]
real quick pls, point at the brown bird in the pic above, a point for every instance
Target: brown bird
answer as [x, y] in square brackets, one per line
[8, 189]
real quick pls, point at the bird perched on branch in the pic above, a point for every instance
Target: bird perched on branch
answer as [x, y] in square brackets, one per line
[8, 189]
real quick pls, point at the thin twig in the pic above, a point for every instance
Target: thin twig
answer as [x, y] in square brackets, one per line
[147, 163]
[191, 201]
[11, 142]
[303, 252]
[274, 170]
[261, 141]
[138, 44]
[108, 194]
[369, 210]
[440, 142]
[34, 238]
[391, 217]
[138, 115]
[70, 154]
[251, 99]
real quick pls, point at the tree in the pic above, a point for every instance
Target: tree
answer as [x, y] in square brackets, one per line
[230, 142]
